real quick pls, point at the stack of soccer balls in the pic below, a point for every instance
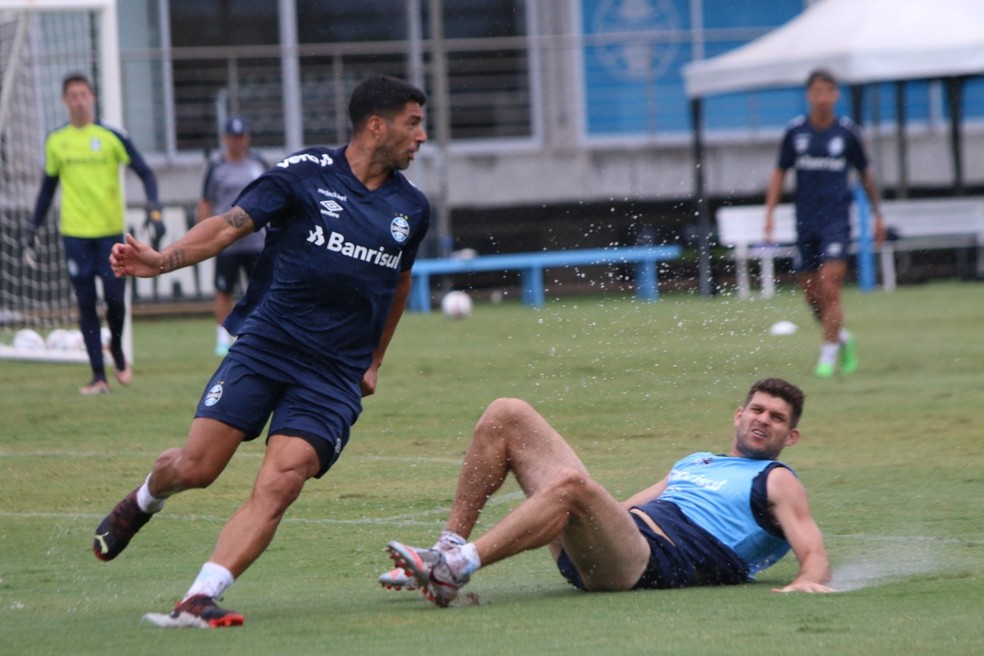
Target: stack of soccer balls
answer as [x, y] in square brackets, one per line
[59, 339]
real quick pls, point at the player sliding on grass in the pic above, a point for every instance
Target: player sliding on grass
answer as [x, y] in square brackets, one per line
[714, 520]
[343, 228]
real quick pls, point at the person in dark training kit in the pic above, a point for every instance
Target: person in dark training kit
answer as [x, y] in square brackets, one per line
[823, 147]
[86, 156]
[343, 229]
[715, 519]
[227, 174]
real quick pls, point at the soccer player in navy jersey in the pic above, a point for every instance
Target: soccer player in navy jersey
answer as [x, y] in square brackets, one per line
[822, 147]
[343, 228]
[715, 519]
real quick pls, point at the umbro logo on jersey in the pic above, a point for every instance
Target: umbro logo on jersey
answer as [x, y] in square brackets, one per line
[801, 142]
[331, 208]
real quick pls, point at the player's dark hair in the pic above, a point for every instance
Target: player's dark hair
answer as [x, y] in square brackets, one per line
[821, 75]
[381, 95]
[781, 389]
[73, 78]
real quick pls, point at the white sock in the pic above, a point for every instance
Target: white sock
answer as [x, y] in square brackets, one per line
[828, 353]
[463, 560]
[147, 501]
[448, 540]
[212, 581]
[843, 335]
[222, 336]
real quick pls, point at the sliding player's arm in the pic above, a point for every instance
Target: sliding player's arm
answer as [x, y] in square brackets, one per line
[791, 510]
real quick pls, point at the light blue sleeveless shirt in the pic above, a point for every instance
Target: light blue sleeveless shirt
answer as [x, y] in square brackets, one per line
[726, 496]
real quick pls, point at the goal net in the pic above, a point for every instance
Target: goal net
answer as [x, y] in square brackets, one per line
[40, 42]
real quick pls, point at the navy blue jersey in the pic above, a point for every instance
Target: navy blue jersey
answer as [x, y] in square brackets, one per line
[333, 255]
[822, 159]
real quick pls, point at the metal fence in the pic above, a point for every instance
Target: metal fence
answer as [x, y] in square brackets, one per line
[489, 86]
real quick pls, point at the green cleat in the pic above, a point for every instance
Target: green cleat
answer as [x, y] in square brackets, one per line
[849, 356]
[824, 370]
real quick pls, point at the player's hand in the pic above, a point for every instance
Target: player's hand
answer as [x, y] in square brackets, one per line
[881, 233]
[368, 383]
[134, 258]
[805, 586]
[154, 224]
[30, 250]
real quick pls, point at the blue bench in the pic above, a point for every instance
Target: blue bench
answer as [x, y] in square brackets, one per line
[531, 266]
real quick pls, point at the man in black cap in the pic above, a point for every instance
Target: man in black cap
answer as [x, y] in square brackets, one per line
[228, 172]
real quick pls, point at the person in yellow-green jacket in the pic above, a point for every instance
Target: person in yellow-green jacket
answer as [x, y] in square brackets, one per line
[86, 157]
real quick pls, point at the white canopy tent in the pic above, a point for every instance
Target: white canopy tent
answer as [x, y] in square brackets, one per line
[861, 42]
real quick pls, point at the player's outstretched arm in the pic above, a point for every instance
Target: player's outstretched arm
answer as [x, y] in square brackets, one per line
[792, 511]
[206, 239]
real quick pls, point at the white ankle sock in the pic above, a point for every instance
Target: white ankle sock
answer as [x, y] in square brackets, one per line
[222, 336]
[828, 353]
[449, 539]
[148, 502]
[463, 560]
[843, 335]
[213, 580]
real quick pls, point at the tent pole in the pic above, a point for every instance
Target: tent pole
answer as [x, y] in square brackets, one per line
[901, 141]
[857, 103]
[954, 92]
[703, 218]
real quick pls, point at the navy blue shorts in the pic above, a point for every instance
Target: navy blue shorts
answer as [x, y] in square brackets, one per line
[259, 381]
[822, 244]
[230, 269]
[693, 558]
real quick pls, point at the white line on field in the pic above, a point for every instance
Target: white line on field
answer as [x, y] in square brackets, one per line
[405, 519]
[419, 519]
[149, 455]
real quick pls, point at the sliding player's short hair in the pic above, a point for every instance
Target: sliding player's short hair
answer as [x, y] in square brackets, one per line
[784, 390]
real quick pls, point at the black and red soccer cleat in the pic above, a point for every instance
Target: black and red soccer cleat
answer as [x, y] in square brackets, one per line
[118, 527]
[197, 612]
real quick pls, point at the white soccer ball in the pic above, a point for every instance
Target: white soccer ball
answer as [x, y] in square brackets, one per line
[57, 340]
[456, 305]
[783, 328]
[74, 340]
[28, 340]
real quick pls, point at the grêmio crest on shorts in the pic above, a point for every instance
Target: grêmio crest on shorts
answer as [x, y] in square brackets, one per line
[333, 255]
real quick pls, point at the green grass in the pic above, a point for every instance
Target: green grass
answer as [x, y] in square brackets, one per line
[891, 456]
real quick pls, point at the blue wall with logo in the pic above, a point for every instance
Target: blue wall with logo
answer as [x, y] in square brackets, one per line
[634, 51]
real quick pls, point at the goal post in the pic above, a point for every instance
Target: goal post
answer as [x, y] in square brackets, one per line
[40, 42]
